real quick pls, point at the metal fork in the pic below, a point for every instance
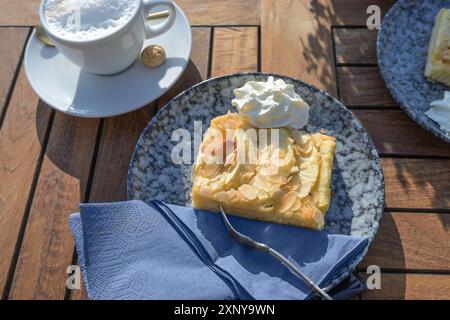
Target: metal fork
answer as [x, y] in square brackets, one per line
[249, 242]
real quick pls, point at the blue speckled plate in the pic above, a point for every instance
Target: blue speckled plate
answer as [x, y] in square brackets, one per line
[357, 184]
[402, 50]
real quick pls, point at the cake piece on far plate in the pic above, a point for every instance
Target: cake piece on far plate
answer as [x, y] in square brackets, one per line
[438, 63]
[287, 182]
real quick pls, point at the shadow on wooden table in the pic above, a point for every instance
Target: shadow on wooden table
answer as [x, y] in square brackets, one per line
[317, 52]
[386, 252]
[425, 182]
[317, 48]
[69, 146]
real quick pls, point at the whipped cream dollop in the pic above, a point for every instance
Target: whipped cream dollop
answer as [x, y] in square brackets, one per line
[440, 112]
[271, 104]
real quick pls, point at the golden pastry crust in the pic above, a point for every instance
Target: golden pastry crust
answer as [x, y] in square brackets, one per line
[286, 182]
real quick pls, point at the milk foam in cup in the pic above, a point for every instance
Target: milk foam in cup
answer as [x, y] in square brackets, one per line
[102, 36]
[87, 19]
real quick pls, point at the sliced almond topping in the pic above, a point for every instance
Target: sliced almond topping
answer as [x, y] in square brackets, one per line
[297, 205]
[277, 179]
[287, 202]
[294, 182]
[300, 137]
[205, 191]
[297, 150]
[306, 149]
[277, 195]
[210, 170]
[309, 172]
[225, 196]
[271, 169]
[200, 181]
[294, 169]
[265, 209]
[264, 198]
[249, 192]
[287, 215]
[262, 184]
[317, 138]
[232, 175]
[317, 216]
[247, 177]
[313, 218]
[230, 158]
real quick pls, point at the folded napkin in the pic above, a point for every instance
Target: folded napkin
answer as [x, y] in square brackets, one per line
[134, 250]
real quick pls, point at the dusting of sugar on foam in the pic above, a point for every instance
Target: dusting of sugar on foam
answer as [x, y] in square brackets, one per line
[87, 19]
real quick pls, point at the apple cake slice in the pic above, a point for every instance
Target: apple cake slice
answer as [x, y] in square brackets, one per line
[281, 176]
[438, 63]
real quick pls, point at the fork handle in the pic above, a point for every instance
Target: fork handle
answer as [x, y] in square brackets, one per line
[292, 268]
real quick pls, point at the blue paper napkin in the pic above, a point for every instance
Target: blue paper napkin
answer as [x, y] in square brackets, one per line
[134, 250]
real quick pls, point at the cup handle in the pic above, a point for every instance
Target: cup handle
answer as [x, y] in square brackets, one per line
[153, 31]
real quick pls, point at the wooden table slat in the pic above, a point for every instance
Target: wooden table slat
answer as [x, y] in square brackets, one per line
[410, 287]
[112, 163]
[47, 248]
[227, 12]
[12, 42]
[19, 13]
[206, 12]
[351, 12]
[296, 41]
[357, 46]
[411, 241]
[417, 183]
[235, 50]
[362, 87]
[394, 133]
[23, 130]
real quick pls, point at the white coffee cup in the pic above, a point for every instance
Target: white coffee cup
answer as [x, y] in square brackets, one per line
[118, 50]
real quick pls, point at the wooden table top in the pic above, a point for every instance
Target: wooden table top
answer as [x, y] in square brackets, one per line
[50, 162]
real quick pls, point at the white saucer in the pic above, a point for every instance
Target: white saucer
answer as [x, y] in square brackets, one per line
[67, 88]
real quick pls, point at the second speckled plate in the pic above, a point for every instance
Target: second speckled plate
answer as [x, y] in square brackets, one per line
[357, 185]
[402, 50]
